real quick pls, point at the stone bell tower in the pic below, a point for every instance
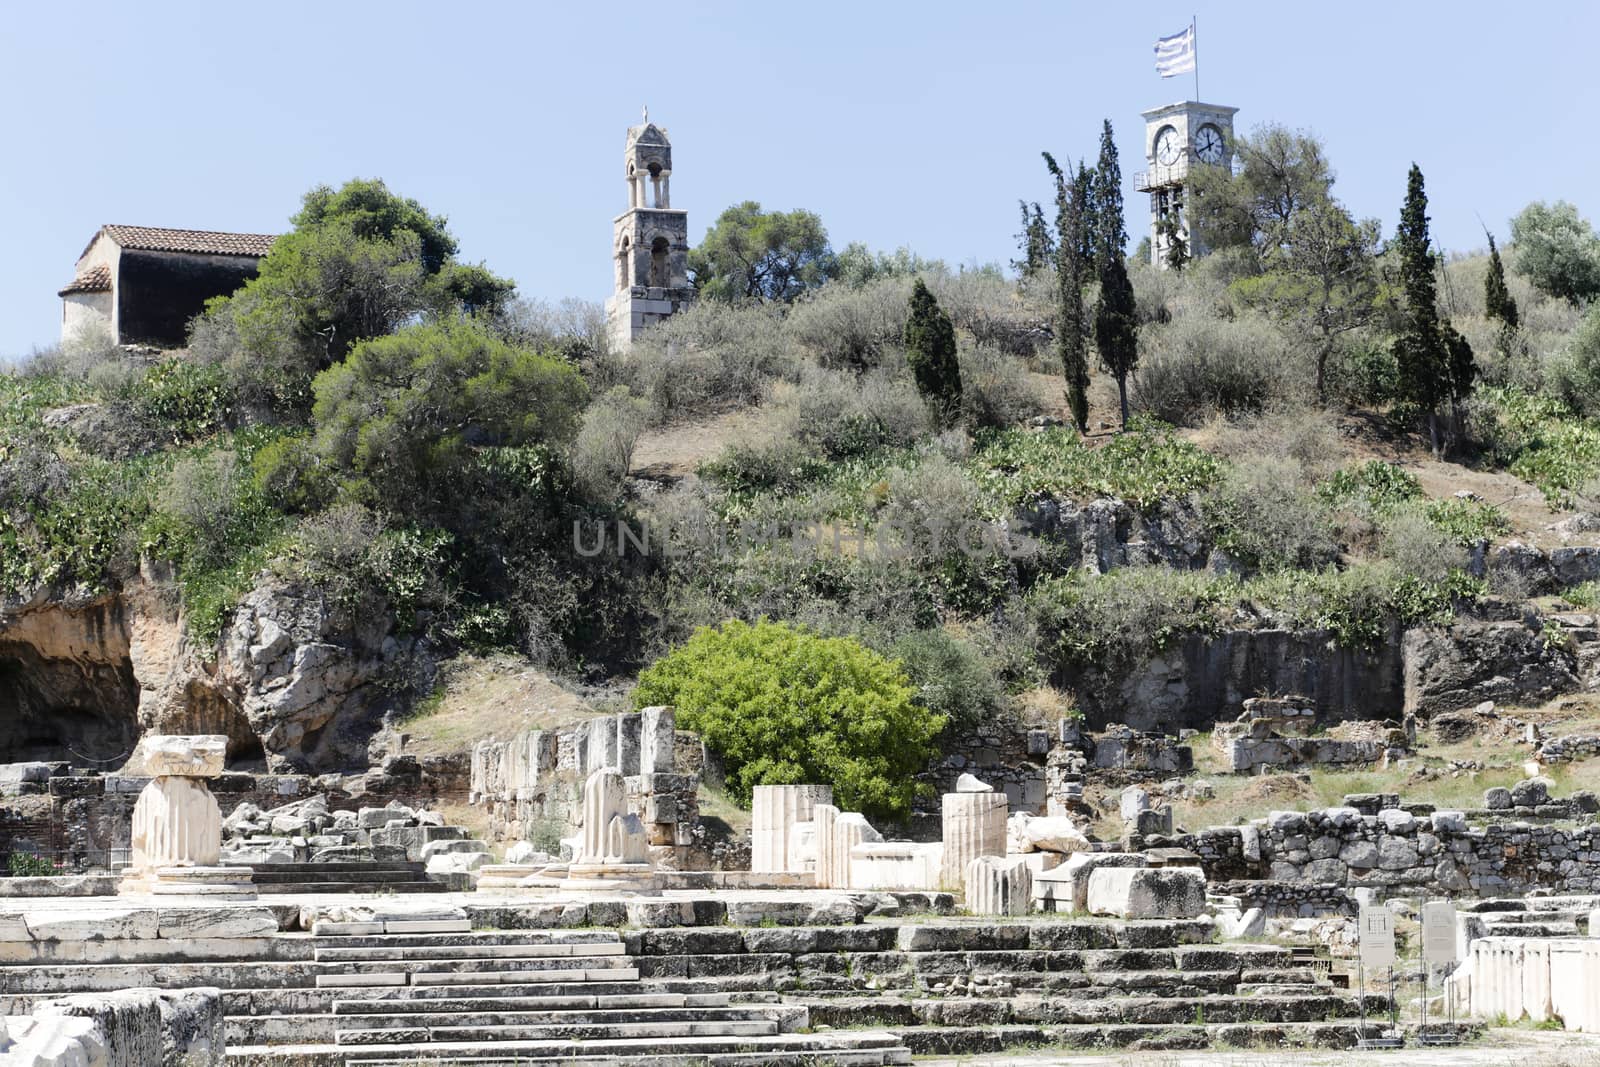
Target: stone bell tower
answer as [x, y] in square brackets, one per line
[1177, 139]
[650, 241]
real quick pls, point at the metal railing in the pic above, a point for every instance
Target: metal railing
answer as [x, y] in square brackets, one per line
[22, 863]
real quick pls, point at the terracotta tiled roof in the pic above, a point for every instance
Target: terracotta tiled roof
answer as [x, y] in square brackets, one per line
[205, 242]
[94, 280]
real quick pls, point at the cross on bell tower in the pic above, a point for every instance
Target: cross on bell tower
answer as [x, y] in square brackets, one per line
[650, 241]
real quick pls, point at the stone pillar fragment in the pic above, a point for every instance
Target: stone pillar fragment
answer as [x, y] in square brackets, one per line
[657, 751]
[828, 876]
[974, 825]
[999, 886]
[774, 810]
[176, 823]
[603, 800]
[849, 830]
[629, 727]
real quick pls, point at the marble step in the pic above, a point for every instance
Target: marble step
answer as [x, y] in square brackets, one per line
[576, 1029]
[441, 1000]
[865, 1047]
[530, 976]
[512, 950]
[527, 961]
[298, 1029]
[276, 889]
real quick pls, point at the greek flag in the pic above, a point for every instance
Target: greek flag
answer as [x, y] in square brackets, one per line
[1175, 54]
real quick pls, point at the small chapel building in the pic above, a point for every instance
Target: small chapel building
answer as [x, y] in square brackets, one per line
[143, 284]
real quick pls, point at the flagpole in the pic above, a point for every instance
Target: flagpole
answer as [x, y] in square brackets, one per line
[1194, 29]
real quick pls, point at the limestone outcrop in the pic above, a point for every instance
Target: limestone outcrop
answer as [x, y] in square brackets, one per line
[293, 682]
[1459, 666]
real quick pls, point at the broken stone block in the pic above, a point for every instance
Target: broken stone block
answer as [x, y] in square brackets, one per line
[179, 755]
[1531, 792]
[999, 886]
[969, 783]
[1134, 800]
[1066, 888]
[1497, 799]
[1147, 893]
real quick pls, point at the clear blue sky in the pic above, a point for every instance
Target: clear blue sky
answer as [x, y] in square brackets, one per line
[913, 124]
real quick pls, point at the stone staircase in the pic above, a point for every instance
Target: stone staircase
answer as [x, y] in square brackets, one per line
[350, 876]
[400, 991]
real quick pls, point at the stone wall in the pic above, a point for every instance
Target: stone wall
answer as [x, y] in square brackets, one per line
[1399, 852]
[531, 785]
[85, 817]
[1288, 900]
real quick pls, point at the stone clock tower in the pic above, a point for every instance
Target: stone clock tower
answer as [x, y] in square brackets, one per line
[1178, 138]
[650, 241]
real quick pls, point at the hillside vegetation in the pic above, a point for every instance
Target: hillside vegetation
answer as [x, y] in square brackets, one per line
[372, 417]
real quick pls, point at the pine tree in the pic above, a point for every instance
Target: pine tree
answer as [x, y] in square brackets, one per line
[1074, 264]
[1421, 353]
[930, 343]
[1116, 323]
[1497, 301]
[1037, 243]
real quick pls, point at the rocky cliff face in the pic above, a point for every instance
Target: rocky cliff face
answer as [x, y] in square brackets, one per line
[292, 683]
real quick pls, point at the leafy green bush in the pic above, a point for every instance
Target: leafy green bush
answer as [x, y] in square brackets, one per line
[1111, 621]
[1538, 439]
[186, 400]
[1576, 376]
[1466, 521]
[783, 705]
[1261, 517]
[1586, 595]
[1197, 367]
[1360, 604]
[951, 677]
[995, 390]
[1375, 483]
[403, 414]
[1141, 466]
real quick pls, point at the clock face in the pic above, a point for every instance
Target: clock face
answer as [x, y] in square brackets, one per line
[1168, 146]
[1208, 144]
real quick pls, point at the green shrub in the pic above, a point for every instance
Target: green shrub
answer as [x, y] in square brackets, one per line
[951, 677]
[843, 415]
[1586, 595]
[1375, 483]
[1358, 605]
[1111, 621]
[783, 705]
[1261, 517]
[1197, 367]
[1539, 440]
[603, 449]
[1466, 521]
[995, 390]
[1142, 466]
[186, 400]
[851, 327]
[403, 415]
[1576, 377]
[289, 471]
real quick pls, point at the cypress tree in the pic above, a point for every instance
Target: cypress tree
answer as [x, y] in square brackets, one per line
[1421, 354]
[1497, 301]
[1073, 268]
[1037, 243]
[1116, 323]
[930, 343]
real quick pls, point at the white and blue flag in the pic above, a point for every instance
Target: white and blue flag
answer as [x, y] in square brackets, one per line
[1175, 54]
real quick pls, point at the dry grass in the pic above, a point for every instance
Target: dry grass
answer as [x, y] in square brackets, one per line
[484, 697]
